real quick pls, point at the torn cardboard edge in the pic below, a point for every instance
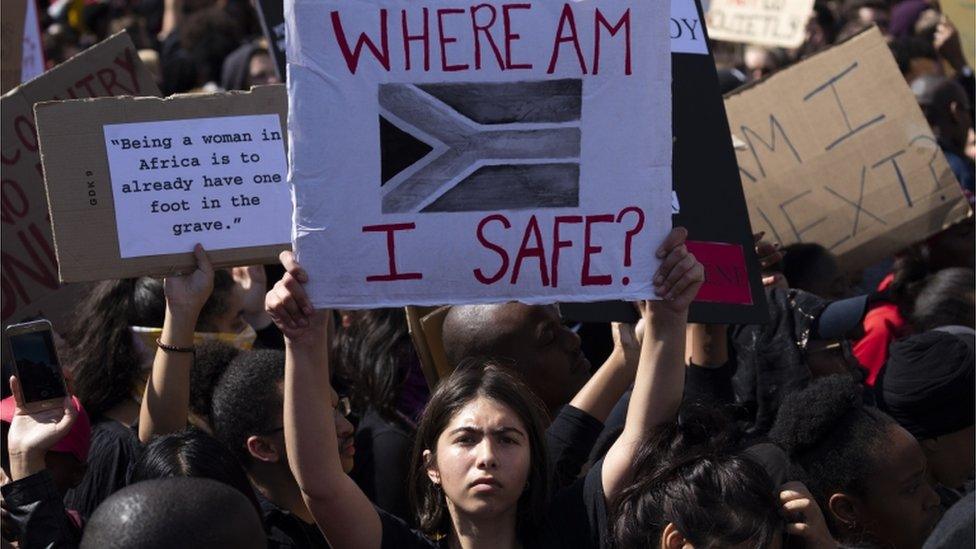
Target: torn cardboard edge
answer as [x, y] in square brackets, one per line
[79, 187]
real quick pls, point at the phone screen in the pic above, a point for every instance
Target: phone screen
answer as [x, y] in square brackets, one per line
[37, 366]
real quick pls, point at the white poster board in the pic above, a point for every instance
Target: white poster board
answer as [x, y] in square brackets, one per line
[478, 152]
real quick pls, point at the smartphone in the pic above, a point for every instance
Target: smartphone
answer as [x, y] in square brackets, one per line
[37, 365]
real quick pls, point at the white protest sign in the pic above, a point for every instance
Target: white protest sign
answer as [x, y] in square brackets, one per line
[687, 34]
[32, 63]
[478, 151]
[778, 23]
[217, 181]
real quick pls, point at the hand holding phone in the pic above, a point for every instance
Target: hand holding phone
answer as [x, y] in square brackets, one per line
[36, 363]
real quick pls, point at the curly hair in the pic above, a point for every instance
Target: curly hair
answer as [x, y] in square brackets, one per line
[832, 439]
[247, 400]
[210, 361]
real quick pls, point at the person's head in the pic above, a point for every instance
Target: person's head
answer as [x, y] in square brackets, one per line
[691, 490]
[174, 512]
[192, 453]
[915, 57]
[867, 12]
[947, 109]
[261, 69]
[761, 61]
[247, 415]
[371, 355]
[947, 298]
[479, 450]
[102, 355]
[812, 268]
[545, 352]
[866, 472]
[210, 361]
[928, 386]
[67, 460]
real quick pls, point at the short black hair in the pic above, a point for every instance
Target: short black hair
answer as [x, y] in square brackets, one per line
[832, 439]
[174, 512]
[192, 453]
[247, 400]
[945, 300]
[210, 360]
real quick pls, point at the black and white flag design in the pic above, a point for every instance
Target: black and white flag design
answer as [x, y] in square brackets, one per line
[461, 147]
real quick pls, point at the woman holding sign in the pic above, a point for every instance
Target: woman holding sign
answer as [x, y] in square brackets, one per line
[480, 476]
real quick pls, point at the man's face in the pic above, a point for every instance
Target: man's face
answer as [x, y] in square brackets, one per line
[547, 353]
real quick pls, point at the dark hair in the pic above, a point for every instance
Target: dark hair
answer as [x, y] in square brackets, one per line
[217, 303]
[210, 360]
[192, 453]
[687, 474]
[942, 300]
[832, 439]
[100, 350]
[800, 262]
[247, 400]
[174, 512]
[369, 356]
[474, 378]
[907, 48]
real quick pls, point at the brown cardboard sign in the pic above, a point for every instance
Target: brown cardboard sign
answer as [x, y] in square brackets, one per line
[30, 281]
[134, 183]
[836, 151]
[779, 23]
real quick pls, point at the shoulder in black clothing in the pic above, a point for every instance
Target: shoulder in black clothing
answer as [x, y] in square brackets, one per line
[286, 531]
[114, 448]
[577, 516]
[382, 465]
[397, 534]
[568, 443]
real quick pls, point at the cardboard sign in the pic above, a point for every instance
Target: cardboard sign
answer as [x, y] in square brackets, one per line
[837, 152]
[778, 23]
[962, 13]
[527, 145]
[272, 16]
[134, 183]
[28, 263]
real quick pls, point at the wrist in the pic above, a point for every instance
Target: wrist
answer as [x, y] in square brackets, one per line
[185, 313]
[26, 462]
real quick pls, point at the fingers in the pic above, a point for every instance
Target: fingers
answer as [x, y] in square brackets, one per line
[674, 257]
[15, 389]
[292, 266]
[679, 270]
[203, 262]
[686, 288]
[675, 238]
[798, 529]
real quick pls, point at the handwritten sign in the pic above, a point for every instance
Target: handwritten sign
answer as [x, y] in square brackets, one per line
[837, 152]
[30, 281]
[780, 23]
[476, 152]
[133, 184]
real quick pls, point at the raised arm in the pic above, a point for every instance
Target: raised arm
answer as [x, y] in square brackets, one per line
[601, 393]
[166, 402]
[660, 375]
[341, 510]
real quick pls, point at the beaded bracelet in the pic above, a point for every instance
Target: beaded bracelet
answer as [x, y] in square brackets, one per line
[173, 348]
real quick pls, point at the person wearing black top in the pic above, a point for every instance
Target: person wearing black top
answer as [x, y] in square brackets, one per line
[479, 473]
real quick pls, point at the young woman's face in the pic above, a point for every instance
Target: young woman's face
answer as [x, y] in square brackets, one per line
[900, 507]
[482, 459]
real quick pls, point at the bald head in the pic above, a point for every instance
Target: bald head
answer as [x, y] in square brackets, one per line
[544, 352]
[175, 512]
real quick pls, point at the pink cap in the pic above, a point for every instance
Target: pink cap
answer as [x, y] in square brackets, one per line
[78, 439]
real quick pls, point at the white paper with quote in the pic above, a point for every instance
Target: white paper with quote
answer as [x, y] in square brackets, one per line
[478, 151]
[217, 181]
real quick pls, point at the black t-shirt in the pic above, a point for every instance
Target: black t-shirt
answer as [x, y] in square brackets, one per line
[397, 534]
[577, 516]
[286, 531]
[114, 448]
[569, 440]
[382, 465]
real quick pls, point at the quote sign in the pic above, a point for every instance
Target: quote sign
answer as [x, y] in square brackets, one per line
[219, 181]
[30, 268]
[837, 152]
[777, 23]
[527, 145]
[134, 183]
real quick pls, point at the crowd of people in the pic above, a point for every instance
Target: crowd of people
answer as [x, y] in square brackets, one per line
[218, 409]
